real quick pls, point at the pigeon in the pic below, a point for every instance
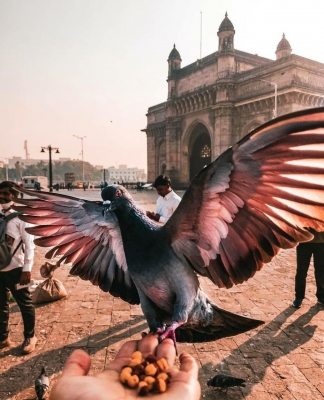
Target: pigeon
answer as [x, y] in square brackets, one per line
[47, 270]
[225, 381]
[257, 197]
[42, 384]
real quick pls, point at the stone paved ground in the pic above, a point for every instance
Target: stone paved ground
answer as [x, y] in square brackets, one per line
[283, 359]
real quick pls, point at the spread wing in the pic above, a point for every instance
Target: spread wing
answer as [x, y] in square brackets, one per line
[77, 231]
[254, 199]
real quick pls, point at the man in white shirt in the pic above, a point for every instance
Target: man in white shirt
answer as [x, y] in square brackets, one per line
[166, 203]
[17, 272]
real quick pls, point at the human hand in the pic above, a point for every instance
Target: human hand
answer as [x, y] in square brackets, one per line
[149, 214]
[157, 217]
[75, 384]
[25, 277]
[152, 215]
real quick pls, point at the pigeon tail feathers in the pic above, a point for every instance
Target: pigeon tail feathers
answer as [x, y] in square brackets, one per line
[224, 324]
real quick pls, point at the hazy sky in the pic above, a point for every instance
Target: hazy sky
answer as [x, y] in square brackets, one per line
[70, 67]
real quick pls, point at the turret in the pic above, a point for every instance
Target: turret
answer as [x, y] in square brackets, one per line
[226, 56]
[283, 48]
[174, 62]
[226, 34]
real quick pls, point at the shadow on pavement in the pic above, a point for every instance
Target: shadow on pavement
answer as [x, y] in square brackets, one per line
[251, 359]
[15, 379]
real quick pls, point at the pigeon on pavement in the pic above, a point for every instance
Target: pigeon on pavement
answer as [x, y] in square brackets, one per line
[42, 385]
[225, 381]
[257, 197]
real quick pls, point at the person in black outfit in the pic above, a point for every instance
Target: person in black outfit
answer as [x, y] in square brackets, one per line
[305, 251]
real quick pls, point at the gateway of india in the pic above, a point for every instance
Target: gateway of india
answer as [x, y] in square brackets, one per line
[217, 100]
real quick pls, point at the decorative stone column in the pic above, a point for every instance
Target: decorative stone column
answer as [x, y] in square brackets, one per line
[223, 128]
[173, 135]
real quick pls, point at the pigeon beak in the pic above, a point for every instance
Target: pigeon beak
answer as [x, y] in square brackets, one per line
[112, 206]
[106, 206]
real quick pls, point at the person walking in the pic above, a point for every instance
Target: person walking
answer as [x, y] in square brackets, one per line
[304, 252]
[17, 272]
[167, 202]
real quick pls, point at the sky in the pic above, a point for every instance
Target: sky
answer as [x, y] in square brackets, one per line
[93, 67]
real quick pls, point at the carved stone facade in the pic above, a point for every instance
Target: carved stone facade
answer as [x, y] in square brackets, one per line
[217, 100]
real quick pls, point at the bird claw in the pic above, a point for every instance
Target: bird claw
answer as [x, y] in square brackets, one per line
[169, 333]
[160, 331]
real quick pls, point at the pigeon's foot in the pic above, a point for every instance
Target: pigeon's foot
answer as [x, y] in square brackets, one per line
[169, 332]
[160, 331]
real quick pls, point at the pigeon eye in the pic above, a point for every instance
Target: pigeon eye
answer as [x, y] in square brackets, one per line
[118, 193]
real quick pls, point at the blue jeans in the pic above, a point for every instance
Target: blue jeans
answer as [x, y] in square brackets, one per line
[8, 280]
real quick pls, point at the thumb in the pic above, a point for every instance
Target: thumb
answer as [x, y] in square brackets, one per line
[77, 364]
[188, 364]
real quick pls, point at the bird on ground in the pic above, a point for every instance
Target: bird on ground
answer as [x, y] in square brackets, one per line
[257, 197]
[42, 384]
[225, 381]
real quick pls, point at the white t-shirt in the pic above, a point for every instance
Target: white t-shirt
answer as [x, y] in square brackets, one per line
[24, 256]
[165, 206]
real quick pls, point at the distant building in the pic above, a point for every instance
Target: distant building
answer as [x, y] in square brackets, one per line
[215, 101]
[24, 162]
[124, 174]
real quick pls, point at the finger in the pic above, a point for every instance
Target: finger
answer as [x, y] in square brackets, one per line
[148, 344]
[124, 355]
[188, 364]
[77, 364]
[167, 350]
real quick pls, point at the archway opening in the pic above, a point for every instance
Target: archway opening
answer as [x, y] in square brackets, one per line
[199, 150]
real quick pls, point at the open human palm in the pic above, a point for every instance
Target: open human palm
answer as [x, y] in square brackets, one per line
[76, 384]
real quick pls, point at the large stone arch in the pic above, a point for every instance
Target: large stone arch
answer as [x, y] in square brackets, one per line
[197, 147]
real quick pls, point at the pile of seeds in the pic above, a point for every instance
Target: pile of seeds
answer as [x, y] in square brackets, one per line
[146, 375]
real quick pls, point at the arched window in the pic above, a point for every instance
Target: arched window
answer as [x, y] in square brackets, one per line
[205, 151]
[199, 150]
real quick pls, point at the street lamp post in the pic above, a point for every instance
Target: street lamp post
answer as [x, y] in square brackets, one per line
[7, 166]
[276, 88]
[50, 148]
[81, 137]
[104, 175]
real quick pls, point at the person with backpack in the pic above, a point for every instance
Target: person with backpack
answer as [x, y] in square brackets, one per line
[16, 260]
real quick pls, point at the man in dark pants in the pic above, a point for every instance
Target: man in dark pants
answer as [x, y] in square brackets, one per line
[305, 251]
[17, 272]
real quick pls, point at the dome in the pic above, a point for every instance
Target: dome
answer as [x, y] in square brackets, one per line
[174, 55]
[283, 44]
[226, 25]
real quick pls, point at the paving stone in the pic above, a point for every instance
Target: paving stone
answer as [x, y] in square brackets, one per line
[282, 359]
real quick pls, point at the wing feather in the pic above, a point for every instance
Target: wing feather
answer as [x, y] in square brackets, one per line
[77, 231]
[259, 196]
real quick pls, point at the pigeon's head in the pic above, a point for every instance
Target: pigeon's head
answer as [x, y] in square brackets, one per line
[116, 196]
